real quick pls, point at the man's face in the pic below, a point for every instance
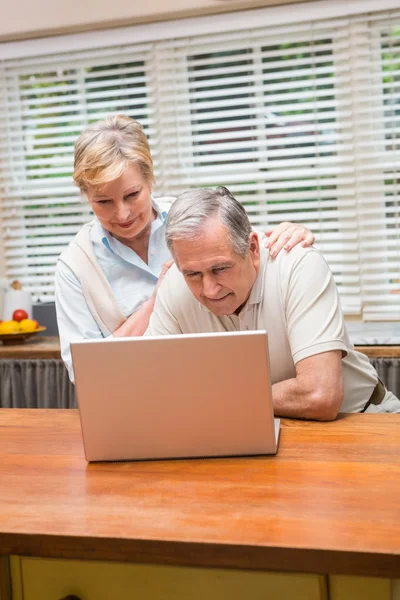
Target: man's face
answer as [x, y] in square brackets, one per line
[216, 275]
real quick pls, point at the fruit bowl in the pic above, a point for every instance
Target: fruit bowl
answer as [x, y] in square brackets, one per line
[19, 336]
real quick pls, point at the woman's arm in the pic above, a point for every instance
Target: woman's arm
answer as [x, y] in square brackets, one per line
[138, 321]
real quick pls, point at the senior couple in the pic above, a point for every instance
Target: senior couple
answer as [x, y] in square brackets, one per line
[222, 279]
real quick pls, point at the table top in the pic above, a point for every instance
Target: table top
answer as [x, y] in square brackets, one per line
[49, 347]
[328, 502]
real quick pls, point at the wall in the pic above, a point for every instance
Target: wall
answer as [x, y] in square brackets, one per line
[36, 18]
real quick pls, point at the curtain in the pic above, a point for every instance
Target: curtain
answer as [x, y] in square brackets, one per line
[44, 383]
[35, 383]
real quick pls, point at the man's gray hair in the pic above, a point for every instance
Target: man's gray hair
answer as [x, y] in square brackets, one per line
[190, 211]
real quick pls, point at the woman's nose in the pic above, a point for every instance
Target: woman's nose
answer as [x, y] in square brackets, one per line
[122, 212]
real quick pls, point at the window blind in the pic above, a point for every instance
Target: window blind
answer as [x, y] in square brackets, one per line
[301, 121]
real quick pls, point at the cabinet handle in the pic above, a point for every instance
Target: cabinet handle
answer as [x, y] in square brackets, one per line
[70, 597]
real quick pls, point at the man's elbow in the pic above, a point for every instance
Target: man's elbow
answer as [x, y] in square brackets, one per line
[325, 404]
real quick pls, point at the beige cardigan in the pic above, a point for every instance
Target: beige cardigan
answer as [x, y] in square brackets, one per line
[100, 298]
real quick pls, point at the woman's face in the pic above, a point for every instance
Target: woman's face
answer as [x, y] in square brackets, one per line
[123, 206]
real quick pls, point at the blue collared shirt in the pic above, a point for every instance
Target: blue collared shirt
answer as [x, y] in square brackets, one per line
[132, 281]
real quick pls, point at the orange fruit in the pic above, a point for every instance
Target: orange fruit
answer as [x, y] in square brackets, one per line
[28, 325]
[9, 327]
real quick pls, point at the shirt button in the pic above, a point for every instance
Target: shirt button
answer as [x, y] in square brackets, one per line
[152, 252]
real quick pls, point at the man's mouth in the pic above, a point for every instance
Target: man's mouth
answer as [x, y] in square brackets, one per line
[218, 299]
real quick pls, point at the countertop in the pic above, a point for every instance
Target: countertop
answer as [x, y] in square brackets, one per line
[35, 347]
[328, 502]
[49, 347]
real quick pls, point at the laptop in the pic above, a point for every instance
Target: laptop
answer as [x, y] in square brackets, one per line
[175, 396]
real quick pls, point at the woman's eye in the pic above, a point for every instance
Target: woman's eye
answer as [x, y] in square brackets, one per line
[133, 195]
[103, 201]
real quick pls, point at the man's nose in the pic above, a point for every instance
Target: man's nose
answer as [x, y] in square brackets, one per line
[211, 288]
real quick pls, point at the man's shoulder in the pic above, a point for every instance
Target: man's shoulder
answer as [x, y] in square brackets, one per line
[297, 255]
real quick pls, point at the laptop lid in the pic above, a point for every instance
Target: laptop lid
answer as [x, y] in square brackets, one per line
[175, 396]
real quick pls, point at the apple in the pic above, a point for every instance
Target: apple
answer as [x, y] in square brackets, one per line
[19, 314]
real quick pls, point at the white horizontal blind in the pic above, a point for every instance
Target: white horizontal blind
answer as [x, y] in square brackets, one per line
[45, 104]
[377, 151]
[282, 116]
[301, 122]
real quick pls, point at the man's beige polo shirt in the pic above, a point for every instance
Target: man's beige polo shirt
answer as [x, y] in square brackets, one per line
[295, 299]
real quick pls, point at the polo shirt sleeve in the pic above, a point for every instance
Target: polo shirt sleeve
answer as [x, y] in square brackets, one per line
[163, 320]
[314, 316]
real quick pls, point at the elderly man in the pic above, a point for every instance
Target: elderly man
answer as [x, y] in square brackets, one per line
[224, 280]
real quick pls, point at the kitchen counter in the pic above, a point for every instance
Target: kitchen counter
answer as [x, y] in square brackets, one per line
[35, 347]
[49, 347]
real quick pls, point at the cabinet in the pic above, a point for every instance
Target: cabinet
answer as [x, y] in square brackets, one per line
[53, 579]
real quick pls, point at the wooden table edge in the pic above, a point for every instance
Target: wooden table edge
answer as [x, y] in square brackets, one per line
[212, 555]
[379, 351]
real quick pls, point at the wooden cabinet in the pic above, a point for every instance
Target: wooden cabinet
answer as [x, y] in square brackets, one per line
[345, 587]
[53, 579]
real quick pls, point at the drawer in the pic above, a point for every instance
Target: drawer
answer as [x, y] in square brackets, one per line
[53, 579]
[346, 587]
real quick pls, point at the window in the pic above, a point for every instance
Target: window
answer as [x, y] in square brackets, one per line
[301, 120]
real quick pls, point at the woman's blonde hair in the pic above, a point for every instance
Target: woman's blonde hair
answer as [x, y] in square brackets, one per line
[104, 149]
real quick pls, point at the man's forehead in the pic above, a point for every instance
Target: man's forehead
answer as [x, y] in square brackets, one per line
[210, 248]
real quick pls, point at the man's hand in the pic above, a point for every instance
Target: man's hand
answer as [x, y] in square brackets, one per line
[287, 235]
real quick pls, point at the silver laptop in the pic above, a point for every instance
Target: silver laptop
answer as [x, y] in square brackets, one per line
[175, 396]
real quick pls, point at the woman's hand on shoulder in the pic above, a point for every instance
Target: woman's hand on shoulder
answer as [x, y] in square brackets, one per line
[287, 235]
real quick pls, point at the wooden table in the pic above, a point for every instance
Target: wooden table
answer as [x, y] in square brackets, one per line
[328, 503]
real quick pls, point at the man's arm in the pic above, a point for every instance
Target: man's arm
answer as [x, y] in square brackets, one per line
[317, 338]
[316, 392]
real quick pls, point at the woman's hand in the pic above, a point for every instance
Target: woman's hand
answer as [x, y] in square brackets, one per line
[165, 268]
[287, 235]
[137, 323]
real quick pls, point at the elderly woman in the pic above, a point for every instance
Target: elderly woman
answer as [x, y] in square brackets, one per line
[107, 278]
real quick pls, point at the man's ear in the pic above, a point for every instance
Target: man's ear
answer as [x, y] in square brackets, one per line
[254, 249]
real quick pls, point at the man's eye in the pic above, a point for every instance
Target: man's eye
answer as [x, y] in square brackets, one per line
[103, 201]
[219, 269]
[191, 275]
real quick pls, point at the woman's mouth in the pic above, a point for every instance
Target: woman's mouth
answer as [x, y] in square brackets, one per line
[126, 225]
